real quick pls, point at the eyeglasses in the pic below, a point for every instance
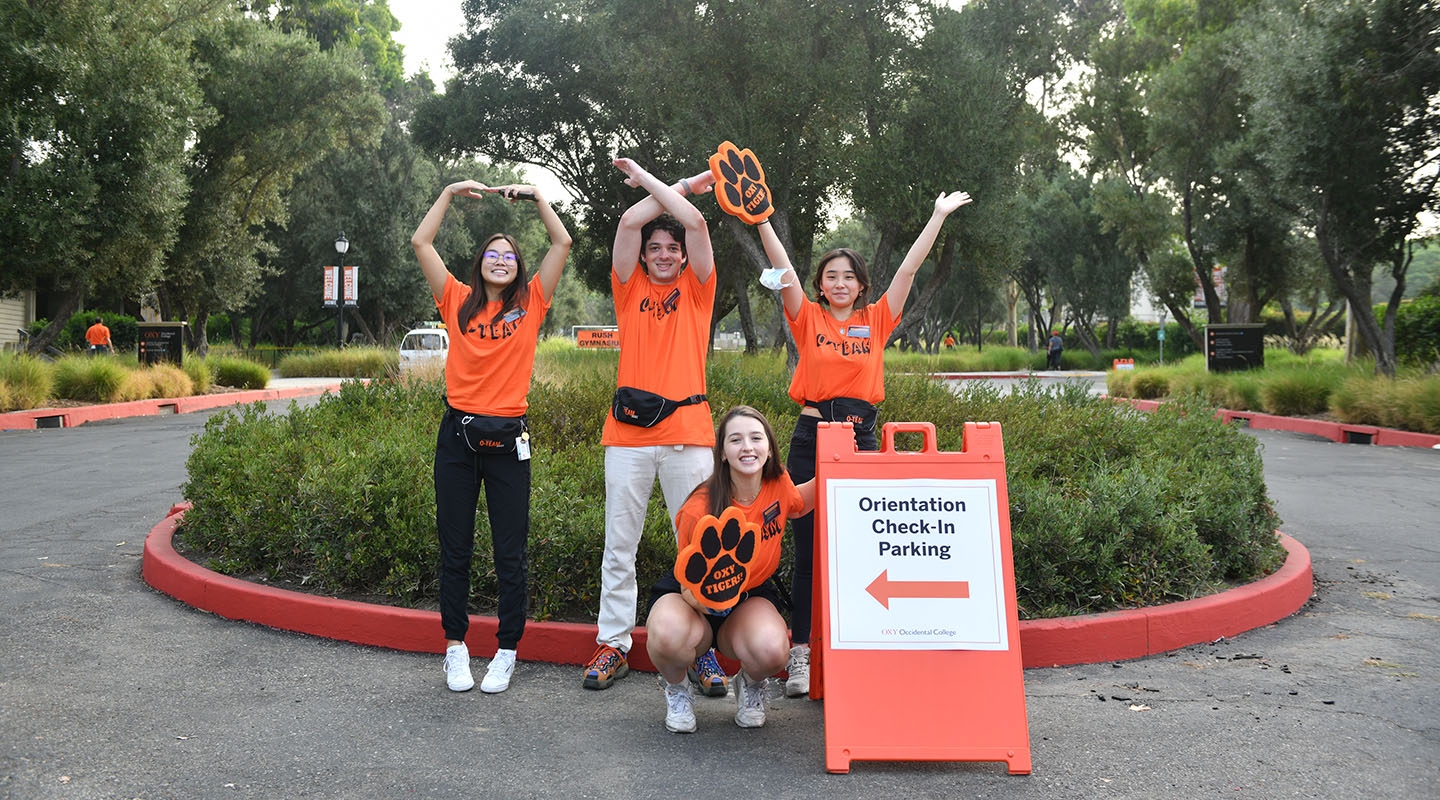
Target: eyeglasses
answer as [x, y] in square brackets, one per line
[496, 255]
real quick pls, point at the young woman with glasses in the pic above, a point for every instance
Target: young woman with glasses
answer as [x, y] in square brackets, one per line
[494, 323]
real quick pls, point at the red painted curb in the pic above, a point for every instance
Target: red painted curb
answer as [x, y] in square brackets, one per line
[1085, 639]
[72, 417]
[1341, 432]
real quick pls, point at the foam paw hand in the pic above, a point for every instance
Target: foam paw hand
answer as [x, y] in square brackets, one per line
[740, 184]
[715, 564]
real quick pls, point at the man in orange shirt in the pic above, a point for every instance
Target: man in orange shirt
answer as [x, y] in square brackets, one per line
[99, 338]
[663, 282]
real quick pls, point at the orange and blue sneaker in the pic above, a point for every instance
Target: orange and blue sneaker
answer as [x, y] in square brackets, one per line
[606, 666]
[707, 676]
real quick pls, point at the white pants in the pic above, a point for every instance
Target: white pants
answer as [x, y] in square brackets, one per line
[630, 474]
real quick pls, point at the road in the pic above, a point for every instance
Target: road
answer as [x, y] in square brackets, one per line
[111, 690]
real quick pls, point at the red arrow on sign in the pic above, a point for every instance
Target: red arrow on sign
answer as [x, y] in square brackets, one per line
[884, 589]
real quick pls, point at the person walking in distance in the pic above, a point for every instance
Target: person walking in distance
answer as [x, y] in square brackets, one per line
[484, 439]
[1053, 351]
[98, 337]
[663, 281]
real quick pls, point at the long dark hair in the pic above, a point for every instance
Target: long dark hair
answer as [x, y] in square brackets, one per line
[857, 263]
[511, 297]
[718, 486]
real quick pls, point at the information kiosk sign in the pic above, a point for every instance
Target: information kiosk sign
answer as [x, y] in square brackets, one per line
[916, 583]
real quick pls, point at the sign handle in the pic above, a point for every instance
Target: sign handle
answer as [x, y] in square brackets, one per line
[926, 429]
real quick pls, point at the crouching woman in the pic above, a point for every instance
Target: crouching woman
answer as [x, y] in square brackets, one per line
[748, 477]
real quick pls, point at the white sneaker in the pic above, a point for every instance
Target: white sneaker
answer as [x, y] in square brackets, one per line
[457, 668]
[497, 675]
[750, 695]
[679, 707]
[798, 684]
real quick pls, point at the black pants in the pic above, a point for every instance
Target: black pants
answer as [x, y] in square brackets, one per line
[458, 475]
[800, 463]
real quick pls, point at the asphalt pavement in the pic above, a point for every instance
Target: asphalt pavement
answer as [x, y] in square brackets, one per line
[109, 689]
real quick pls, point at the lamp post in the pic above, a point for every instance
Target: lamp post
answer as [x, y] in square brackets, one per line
[342, 246]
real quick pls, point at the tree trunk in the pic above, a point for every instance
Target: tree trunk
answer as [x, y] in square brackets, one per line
[916, 308]
[742, 304]
[755, 254]
[1012, 308]
[1197, 336]
[69, 304]
[1201, 264]
[364, 327]
[201, 338]
[1354, 282]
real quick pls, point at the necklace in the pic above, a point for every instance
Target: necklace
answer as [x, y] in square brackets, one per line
[745, 501]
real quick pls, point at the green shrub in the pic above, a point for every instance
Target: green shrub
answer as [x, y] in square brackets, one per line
[964, 358]
[1419, 404]
[124, 331]
[238, 373]
[199, 372]
[1298, 392]
[349, 362]
[1109, 507]
[1359, 400]
[1242, 393]
[1417, 331]
[1149, 384]
[1120, 383]
[1410, 402]
[27, 381]
[137, 385]
[1002, 359]
[97, 380]
[168, 380]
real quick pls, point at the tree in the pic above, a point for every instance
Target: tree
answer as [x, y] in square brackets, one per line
[285, 105]
[95, 183]
[1133, 194]
[964, 123]
[1342, 97]
[570, 85]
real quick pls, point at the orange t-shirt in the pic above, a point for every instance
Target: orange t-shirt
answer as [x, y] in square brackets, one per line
[97, 334]
[488, 368]
[778, 499]
[841, 359]
[664, 340]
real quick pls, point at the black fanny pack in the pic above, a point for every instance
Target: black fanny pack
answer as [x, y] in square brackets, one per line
[484, 434]
[847, 409]
[646, 409]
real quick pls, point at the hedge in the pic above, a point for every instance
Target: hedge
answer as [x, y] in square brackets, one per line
[1109, 508]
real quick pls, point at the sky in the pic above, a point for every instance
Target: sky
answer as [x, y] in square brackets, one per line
[425, 28]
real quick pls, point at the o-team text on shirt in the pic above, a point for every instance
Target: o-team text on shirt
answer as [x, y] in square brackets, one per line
[858, 347]
[504, 329]
[664, 308]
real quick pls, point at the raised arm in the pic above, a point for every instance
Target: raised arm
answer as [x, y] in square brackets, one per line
[790, 292]
[423, 240]
[899, 289]
[554, 261]
[662, 198]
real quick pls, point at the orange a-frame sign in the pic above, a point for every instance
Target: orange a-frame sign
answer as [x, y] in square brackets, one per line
[916, 639]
